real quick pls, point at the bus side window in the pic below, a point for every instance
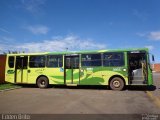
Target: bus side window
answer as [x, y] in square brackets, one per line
[54, 61]
[11, 61]
[37, 61]
[91, 60]
[113, 59]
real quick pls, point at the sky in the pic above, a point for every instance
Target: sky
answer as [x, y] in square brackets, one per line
[73, 25]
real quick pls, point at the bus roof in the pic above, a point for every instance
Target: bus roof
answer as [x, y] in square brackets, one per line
[80, 52]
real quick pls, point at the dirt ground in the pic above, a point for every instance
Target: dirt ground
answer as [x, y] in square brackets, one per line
[82, 100]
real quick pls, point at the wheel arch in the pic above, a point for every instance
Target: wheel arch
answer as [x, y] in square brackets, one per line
[42, 76]
[116, 76]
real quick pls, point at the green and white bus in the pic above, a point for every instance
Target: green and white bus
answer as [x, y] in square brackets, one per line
[114, 68]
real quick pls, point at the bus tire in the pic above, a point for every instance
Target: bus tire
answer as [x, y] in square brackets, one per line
[42, 82]
[116, 84]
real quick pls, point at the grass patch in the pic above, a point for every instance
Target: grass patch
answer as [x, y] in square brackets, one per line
[7, 86]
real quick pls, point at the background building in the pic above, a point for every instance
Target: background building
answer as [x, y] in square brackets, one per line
[2, 68]
[156, 67]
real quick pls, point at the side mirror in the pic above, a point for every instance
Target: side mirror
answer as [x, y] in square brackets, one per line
[153, 58]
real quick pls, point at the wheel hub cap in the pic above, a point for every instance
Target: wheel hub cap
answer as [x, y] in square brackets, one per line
[116, 83]
[43, 82]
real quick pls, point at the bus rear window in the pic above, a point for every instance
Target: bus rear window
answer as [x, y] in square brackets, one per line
[37, 61]
[113, 59]
[11, 61]
[54, 61]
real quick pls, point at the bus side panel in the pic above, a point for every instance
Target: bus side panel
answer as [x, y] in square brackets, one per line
[150, 75]
[100, 75]
[75, 76]
[126, 78]
[10, 72]
[91, 76]
[55, 75]
[114, 71]
[33, 74]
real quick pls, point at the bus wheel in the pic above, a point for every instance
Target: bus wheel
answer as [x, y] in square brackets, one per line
[42, 82]
[116, 84]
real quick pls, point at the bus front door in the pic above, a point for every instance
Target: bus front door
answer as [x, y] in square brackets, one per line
[137, 66]
[21, 75]
[71, 70]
